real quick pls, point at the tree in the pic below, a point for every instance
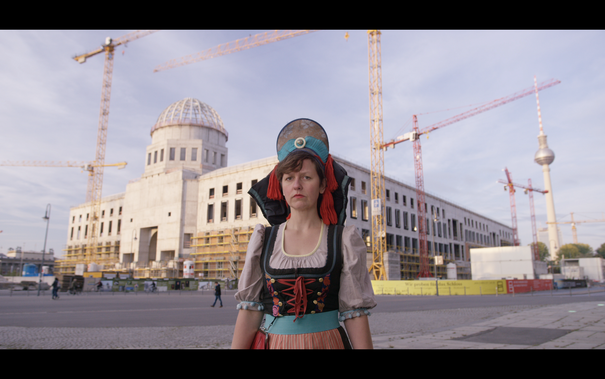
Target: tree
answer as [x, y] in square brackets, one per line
[575, 250]
[542, 250]
[601, 250]
[568, 251]
[585, 250]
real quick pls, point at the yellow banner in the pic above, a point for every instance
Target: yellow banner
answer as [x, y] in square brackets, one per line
[446, 287]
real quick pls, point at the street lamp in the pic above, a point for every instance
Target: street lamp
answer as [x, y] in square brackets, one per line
[47, 219]
[435, 219]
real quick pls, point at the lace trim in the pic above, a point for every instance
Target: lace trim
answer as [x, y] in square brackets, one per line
[250, 305]
[353, 313]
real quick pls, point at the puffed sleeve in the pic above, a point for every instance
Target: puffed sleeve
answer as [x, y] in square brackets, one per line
[251, 280]
[356, 294]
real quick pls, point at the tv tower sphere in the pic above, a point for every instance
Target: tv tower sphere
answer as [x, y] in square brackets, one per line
[544, 155]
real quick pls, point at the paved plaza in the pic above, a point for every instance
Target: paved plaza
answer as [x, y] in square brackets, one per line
[188, 322]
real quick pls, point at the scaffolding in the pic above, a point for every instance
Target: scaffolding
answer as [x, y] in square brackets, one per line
[106, 255]
[220, 254]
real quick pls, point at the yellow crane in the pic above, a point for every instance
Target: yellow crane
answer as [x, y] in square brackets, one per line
[377, 150]
[95, 180]
[573, 225]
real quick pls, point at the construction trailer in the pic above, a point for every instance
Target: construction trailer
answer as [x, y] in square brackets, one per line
[510, 262]
[584, 268]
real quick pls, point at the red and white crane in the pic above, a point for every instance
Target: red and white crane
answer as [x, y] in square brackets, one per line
[418, 169]
[529, 190]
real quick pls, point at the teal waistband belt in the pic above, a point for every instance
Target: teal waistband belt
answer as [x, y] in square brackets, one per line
[309, 323]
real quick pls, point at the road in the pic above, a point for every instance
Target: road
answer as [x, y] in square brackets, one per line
[95, 310]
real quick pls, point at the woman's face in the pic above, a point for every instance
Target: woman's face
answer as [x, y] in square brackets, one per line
[302, 189]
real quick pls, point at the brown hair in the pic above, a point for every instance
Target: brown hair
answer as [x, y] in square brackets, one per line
[294, 161]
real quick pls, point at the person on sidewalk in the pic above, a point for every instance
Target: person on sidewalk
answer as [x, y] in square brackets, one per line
[217, 294]
[55, 287]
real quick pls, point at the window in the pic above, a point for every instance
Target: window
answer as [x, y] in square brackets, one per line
[224, 208]
[388, 195]
[389, 217]
[403, 200]
[162, 155]
[364, 210]
[252, 207]
[183, 153]
[414, 223]
[363, 187]
[411, 203]
[405, 221]
[214, 157]
[211, 193]
[396, 198]
[397, 218]
[172, 153]
[238, 209]
[155, 156]
[119, 227]
[206, 155]
[238, 188]
[366, 236]
[148, 159]
[226, 190]
[210, 217]
[353, 207]
[187, 240]
[109, 229]
[223, 160]
[194, 154]
[352, 184]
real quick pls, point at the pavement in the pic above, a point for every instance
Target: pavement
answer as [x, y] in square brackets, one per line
[567, 326]
[520, 325]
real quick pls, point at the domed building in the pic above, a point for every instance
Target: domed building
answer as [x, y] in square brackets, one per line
[189, 205]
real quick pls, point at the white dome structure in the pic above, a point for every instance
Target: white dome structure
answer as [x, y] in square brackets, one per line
[190, 112]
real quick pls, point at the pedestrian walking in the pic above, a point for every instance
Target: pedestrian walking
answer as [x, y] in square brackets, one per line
[217, 294]
[55, 287]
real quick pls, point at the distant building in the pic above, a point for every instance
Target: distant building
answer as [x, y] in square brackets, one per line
[14, 262]
[190, 205]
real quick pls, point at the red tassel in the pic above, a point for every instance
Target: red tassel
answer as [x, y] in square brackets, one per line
[331, 183]
[273, 190]
[328, 214]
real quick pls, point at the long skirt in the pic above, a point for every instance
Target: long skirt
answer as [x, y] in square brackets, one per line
[329, 339]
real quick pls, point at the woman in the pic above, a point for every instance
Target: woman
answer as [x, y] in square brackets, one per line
[305, 274]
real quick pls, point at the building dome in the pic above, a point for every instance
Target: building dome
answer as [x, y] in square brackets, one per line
[190, 112]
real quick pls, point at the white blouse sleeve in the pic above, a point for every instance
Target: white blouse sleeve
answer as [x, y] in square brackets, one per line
[251, 280]
[356, 292]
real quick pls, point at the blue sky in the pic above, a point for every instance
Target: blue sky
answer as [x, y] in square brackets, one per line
[49, 110]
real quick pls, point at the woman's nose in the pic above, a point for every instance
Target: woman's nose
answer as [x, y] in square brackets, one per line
[296, 183]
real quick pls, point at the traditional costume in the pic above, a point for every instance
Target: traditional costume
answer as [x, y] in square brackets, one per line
[304, 297]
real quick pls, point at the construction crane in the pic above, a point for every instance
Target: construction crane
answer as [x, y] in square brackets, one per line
[85, 166]
[232, 47]
[529, 190]
[573, 225]
[377, 154]
[95, 181]
[414, 136]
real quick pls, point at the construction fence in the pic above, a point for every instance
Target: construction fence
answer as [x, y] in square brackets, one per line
[459, 287]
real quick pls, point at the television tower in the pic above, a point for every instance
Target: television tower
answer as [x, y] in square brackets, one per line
[544, 157]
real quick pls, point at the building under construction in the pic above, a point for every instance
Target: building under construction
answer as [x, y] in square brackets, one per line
[190, 205]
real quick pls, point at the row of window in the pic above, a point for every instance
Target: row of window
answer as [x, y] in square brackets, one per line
[101, 230]
[73, 218]
[158, 156]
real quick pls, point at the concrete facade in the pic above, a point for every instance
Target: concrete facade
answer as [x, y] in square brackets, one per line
[185, 194]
